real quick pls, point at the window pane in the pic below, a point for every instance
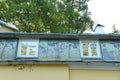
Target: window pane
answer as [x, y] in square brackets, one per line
[32, 50]
[85, 43]
[85, 51]
[93, 45]
[24, 43]
[28, 48]
[23, 50]
[90, 48]
[85, 48]
[94, 51]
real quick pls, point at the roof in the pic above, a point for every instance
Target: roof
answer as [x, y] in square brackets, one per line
[8, 25]
[109, 45]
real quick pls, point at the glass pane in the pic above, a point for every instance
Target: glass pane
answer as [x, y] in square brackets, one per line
[85, 48]
[24, 43]
[32, 51]
[85, 51]
[23, 50]
[93, 45]
[85, 43]
[94, 51]
[28, 48]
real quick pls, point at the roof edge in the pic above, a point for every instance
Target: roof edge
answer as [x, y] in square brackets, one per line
[59, 36]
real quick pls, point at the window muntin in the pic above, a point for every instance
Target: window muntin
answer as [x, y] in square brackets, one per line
[28, 48]
[90, 49]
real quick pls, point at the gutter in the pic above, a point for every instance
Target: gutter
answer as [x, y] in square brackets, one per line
[61, 36]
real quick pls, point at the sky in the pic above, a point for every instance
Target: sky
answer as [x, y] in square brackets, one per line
[105, 12]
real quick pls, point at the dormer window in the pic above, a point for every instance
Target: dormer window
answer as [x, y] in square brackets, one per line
[28, 48]
[90, 49]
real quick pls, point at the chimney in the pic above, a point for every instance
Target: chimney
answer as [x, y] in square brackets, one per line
[99, 29]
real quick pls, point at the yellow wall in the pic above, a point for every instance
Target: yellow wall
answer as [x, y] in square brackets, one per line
[94, 75]
[53, 72]
[5, 29]
[34, 72]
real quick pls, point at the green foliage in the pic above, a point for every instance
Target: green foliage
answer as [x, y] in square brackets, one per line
[114, 30]
[65, 16]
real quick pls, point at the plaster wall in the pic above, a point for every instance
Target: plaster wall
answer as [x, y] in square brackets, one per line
[94, 75]
[34, 72]
[4, 29]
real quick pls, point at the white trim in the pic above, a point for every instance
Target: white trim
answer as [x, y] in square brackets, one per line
[89, 49]
[28, 44]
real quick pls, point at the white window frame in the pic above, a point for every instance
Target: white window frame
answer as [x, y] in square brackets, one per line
[30, 44]
[89, 49]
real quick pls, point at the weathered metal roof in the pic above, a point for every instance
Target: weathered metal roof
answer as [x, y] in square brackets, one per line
[10, 42]
[58, 48]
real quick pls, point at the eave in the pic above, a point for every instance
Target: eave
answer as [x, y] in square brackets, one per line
[60, 36]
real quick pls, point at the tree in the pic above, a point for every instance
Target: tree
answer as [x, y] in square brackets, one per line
[56, 16]
[114, 30]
